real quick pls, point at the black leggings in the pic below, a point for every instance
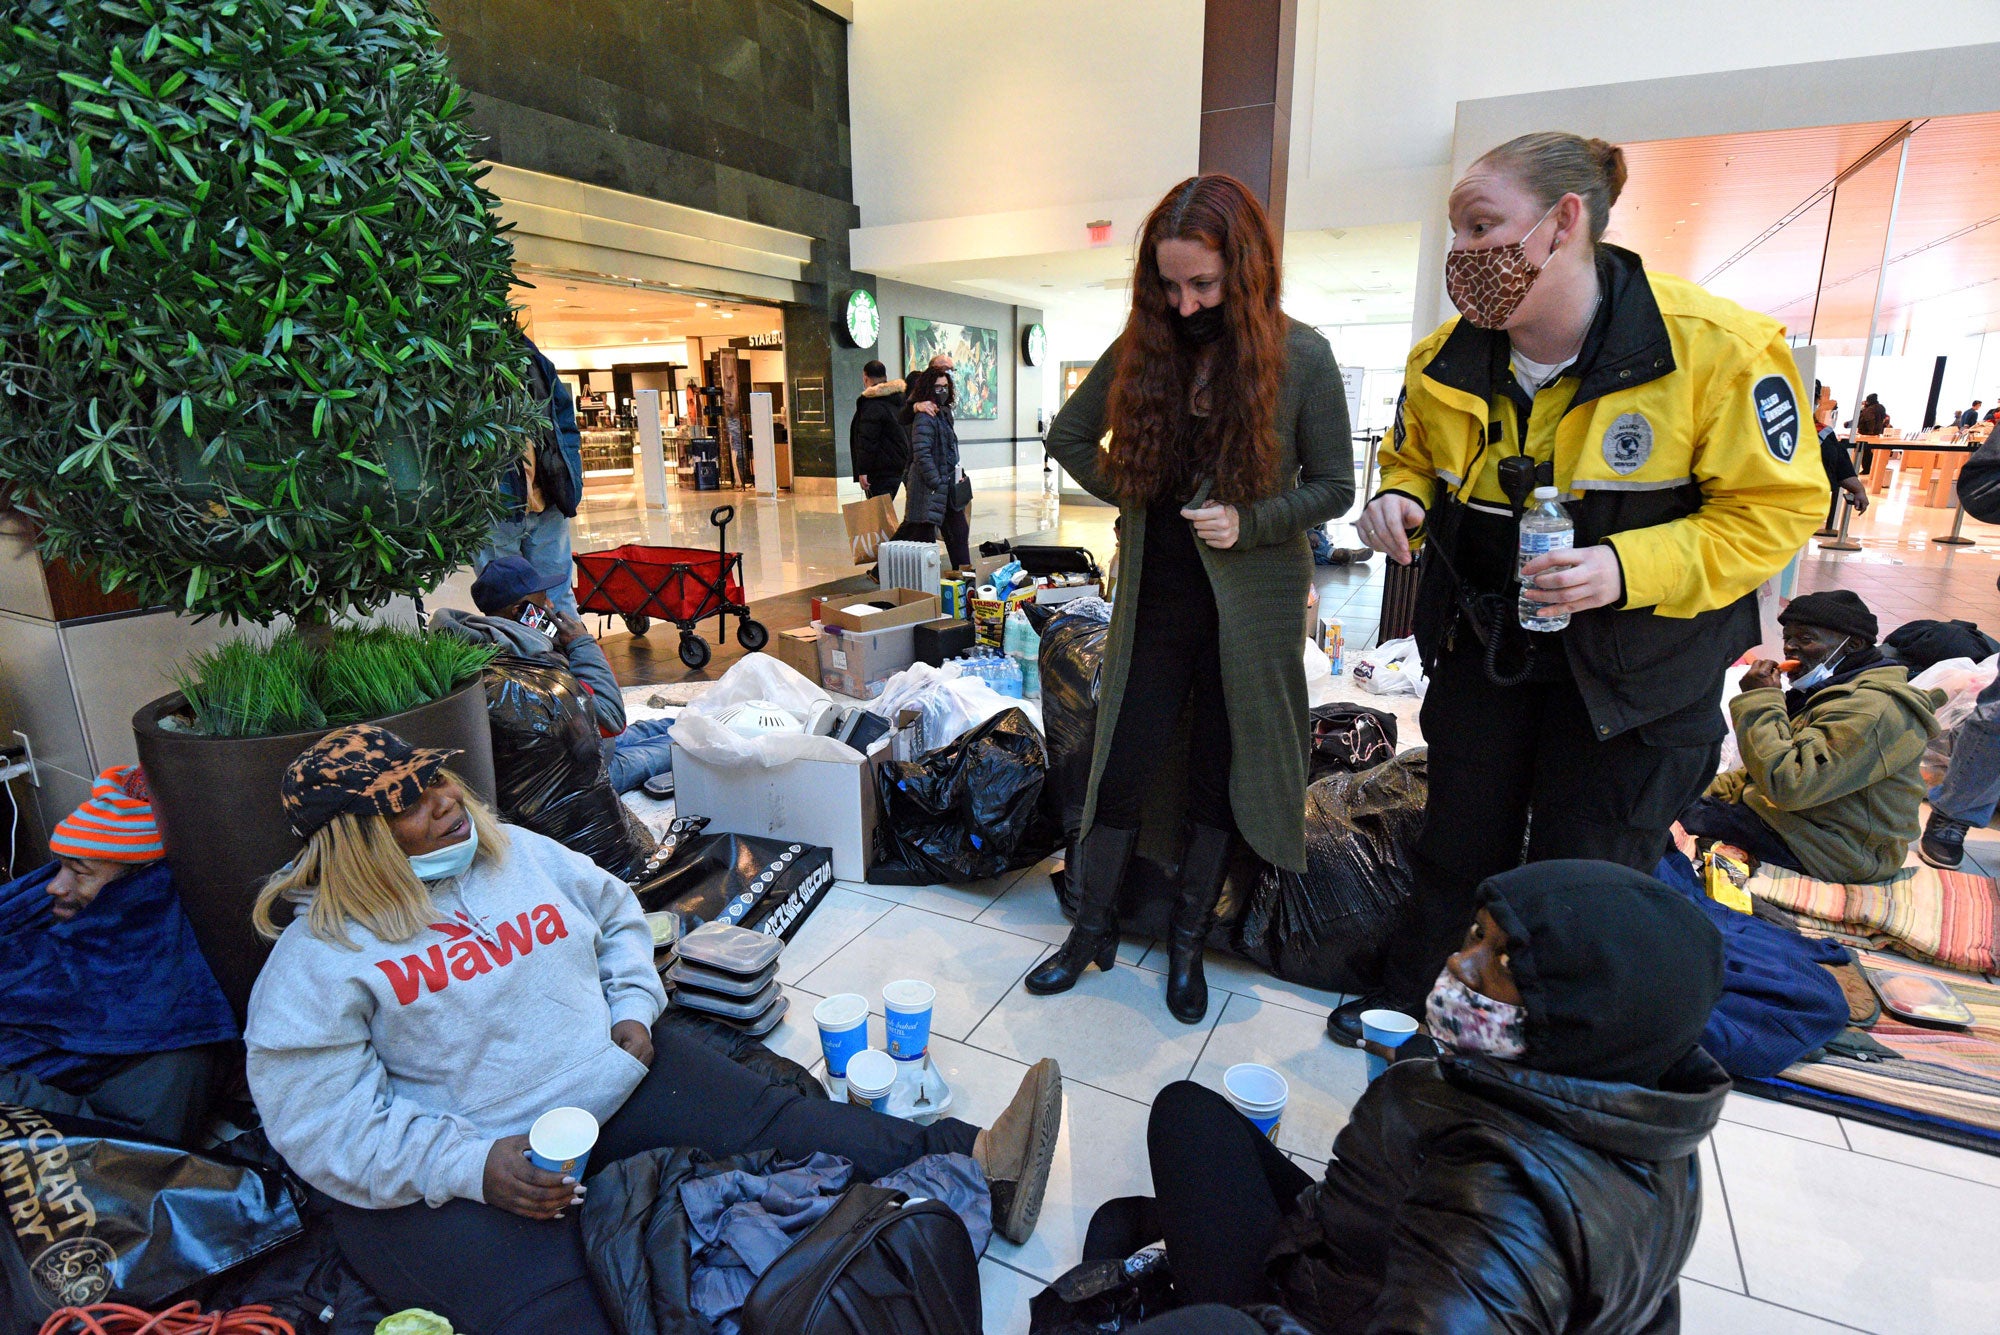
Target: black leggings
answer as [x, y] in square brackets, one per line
[956, 531]
[1224, 1189]
[1175, 668]
[497, 1273]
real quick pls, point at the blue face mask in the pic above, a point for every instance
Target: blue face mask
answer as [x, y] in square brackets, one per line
[451, 860]
[1820, 672]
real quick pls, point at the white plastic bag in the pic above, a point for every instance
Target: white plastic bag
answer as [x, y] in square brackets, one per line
[1961, 680]
[951, 704]
[756, 677]
[1395, 668]
[1319, 676]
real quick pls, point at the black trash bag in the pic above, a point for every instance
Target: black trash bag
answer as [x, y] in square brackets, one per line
[306, 1282]
[1922, 644]
[549, 768]
[766, 885]
[742, 1049]
[1326, 929]
[966, 811]
[1349, 738]
[95, 1216]
[1072, 653]
[1099, 1297]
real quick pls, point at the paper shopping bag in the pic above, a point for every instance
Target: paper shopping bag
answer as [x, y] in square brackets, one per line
[870, 523]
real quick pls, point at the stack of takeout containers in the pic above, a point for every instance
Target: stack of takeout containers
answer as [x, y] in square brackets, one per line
[730, 973]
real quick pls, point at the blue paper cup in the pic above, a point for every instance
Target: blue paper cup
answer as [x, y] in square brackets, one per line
[843, 1030]
[1391, 1029]
[906, 1010]
[1259, 1093]
[871, 1074]
[560, 1141]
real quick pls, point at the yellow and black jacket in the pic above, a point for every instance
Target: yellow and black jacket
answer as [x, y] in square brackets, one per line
[1678, 436]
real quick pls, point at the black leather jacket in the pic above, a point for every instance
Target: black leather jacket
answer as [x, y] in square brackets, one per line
[1473, 1195]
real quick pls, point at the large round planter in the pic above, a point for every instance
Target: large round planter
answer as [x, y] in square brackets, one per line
[224, 824]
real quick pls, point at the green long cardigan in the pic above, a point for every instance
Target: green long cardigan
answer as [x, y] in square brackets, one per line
[1260, 595]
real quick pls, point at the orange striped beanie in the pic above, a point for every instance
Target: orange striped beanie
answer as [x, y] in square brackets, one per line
[115, 825]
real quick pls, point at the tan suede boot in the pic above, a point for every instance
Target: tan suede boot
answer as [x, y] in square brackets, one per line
[1016, 1151]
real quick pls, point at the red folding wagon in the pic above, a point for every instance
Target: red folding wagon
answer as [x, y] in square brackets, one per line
[684, 585]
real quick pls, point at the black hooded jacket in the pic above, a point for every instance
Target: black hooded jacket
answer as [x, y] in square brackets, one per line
[876, 437]
[1560, 1192]
[1472, 1195]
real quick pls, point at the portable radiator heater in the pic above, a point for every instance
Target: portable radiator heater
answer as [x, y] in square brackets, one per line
[909, 565]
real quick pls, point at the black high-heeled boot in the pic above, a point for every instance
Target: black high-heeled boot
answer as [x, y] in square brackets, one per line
[1098, 871]
[1203, 870]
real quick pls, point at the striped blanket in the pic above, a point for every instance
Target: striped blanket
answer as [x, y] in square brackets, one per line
[1947, 917]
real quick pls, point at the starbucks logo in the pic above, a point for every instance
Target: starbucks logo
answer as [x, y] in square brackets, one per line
[75, 1272]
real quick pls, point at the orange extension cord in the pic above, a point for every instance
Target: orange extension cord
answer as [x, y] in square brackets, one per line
[180, 1319]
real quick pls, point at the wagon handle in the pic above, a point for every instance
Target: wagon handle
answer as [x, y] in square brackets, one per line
[722, 515]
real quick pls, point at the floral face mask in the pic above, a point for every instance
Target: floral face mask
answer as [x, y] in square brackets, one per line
[1489, 285]
[1467, 1021]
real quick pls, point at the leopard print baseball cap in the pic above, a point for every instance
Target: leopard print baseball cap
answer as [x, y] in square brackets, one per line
[360, 768]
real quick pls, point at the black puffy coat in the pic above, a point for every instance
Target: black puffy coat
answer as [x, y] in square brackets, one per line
[876, 437]
[1473, 1195]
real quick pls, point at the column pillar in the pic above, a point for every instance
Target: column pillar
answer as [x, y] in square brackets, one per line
[1247, 59]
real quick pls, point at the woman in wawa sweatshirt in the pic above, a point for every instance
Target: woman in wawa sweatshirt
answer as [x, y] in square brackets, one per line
[446, 980]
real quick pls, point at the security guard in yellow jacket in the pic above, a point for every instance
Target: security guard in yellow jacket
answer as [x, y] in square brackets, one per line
[1671, 424]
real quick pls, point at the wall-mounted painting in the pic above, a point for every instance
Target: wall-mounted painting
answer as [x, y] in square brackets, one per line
[975, 360]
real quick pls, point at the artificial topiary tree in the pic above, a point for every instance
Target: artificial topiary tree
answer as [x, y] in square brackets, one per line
[256, 352]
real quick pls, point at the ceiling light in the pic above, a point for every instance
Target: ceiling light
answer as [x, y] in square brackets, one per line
[701, 303]
[1679, 221]
[631, 308]
[728, 315]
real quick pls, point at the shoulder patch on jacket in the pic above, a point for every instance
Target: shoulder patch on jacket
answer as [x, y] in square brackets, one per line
[1778, 413]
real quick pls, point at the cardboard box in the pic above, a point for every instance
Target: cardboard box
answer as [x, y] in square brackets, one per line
[1058, 594]
[857, 662]
[989, 615]
[826, 803]
[799, 650]
[908, 607]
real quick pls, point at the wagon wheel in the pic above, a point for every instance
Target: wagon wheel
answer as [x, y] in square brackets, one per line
[694, 650]
[752, 635]
[638, 623]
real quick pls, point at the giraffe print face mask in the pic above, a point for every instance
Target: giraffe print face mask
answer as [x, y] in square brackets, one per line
[1489, 285]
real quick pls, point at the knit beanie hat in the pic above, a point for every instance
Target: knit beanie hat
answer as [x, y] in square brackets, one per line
[1617, 971]
[1839, 610]
[115, 824]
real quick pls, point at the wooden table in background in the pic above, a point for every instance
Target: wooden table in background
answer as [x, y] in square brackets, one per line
[1947, 459]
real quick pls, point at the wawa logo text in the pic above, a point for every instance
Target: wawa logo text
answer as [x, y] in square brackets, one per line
[467, 956]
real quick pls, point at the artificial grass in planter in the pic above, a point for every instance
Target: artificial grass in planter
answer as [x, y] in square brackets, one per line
[251, 688]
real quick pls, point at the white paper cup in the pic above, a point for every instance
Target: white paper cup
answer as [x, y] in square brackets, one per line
[843, 1029]
[560, 1141]
[1259, 1093]
[871, 1073]
[1391, 1029]
[906, 1013]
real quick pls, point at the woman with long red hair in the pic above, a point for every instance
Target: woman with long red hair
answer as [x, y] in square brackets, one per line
[1228, 439]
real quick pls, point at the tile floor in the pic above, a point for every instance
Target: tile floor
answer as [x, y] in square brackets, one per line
[1811, 1223]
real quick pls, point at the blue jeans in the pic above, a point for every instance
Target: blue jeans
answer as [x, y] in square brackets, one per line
[543, 541]
[640, 752]
[1971, 784]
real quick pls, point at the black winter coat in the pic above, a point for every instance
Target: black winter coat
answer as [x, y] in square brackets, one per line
[933, 468]
[1473, 1195]
[876, 437]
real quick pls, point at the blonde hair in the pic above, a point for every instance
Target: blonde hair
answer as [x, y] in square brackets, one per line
[353, 872]
[1552, 165]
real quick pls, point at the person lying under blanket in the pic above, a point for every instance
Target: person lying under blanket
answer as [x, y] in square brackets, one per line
[445, 980]
[107, 1008]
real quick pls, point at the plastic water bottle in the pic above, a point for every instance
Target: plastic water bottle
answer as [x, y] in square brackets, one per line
[1007, 678]
[1023, 647]
[1545, 528]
